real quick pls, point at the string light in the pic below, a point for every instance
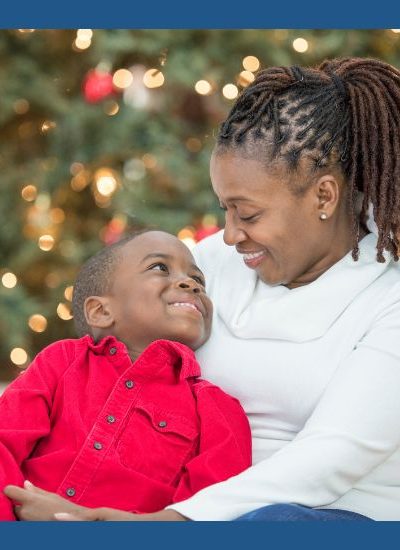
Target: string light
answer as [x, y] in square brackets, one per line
[46, 242]
[80, 180]
[21, 106]
[18, 356]
[193, 145]
[52, 279]
[153, 78]
[83, 39]
[111, 108]
[85, 34]
[57, 215]
[75, 168]
[251, 63]
[68, 293]
[26, 129]
[134, 169]
[203, 87]
[300, 45]
[43, 202]
[122, 78]
[9, 280]
[37, 322]
[245, 78]
[149, 161]
[29, 193]
[64, 312]
[186, 235]
[230, 91]
[47, 126]
[106, 183]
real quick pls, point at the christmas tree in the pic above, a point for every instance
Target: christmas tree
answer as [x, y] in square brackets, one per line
[107, 131]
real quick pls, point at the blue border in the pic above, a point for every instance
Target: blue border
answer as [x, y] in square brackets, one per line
[199, 536]
[212, 14]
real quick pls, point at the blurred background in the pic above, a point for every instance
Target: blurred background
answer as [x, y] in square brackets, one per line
[107, 131]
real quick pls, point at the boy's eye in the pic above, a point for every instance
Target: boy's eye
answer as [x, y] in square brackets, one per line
[199, 280]
[159, 266]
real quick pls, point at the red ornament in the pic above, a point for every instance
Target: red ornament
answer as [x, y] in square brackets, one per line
[113, 231]
[97, 86]
[205, 231]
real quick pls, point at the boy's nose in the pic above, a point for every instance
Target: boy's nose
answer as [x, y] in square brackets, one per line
[190, 284]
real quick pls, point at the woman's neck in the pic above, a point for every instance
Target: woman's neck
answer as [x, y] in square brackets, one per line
[337, 251]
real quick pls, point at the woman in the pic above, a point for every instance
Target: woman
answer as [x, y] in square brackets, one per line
[307, 308]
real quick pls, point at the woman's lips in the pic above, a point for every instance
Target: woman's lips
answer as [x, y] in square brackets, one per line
[253, 259]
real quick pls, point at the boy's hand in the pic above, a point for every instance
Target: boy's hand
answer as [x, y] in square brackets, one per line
[109, 514]
[39, 505]
[35, 504]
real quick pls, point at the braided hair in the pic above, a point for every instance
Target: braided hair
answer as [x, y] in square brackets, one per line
[344, 114]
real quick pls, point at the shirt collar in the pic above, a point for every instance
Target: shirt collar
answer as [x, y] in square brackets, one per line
[301, 314]
[162, 360]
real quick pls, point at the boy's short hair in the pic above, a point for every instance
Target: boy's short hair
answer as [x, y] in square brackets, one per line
[95, 279]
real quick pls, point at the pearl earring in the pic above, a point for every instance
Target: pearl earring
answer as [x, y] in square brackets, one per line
[323, 216]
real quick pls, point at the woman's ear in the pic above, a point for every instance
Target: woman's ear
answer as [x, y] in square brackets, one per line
[327, 190]
[98, 312]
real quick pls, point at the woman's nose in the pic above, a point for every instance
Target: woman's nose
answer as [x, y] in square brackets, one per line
[233, 234]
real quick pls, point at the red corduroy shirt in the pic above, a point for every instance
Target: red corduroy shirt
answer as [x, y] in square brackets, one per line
[85, 421]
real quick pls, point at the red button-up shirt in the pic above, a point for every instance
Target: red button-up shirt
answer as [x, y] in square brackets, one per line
[85, 421]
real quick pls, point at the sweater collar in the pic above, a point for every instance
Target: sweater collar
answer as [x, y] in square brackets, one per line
[300, 314]
[162, 360]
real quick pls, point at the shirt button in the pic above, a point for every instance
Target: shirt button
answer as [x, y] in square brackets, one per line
[129, 384]
[113, 351]
[110, 419]
[97, 445]
[70, 492]
[162, 424]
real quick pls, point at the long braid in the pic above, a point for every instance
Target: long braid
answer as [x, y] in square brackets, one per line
[345, 112]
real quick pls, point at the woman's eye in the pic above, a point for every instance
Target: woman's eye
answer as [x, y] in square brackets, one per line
[159, 266]
[248, 218]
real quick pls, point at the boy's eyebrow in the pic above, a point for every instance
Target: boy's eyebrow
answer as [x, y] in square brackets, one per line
[167, 257]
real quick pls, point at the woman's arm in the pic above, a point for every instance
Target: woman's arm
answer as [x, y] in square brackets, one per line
[354, 428]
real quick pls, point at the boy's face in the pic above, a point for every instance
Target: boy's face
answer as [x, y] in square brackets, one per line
[158, 292]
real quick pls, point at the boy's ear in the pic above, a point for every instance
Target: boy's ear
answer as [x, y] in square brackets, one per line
[98, 313]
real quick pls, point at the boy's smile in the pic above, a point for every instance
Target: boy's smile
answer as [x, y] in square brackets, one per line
[158, 292]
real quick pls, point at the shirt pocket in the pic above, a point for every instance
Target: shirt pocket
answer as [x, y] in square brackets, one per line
[157, 443]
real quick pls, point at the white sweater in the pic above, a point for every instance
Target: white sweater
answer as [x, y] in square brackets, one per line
[317, 370]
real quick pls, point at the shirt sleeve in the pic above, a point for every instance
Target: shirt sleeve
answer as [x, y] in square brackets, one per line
[225, 441]
[354, 428]
[25, 409]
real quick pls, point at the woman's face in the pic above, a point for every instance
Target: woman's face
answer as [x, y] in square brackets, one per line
[279, 234]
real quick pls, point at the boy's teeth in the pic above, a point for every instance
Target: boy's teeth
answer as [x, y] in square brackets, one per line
[252, 256]
[185, 304]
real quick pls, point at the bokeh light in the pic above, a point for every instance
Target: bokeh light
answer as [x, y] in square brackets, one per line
[9, 280]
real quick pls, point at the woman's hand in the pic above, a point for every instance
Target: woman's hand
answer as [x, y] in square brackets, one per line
[36, 504]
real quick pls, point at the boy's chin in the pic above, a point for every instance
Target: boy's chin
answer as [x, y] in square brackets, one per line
[192, 341]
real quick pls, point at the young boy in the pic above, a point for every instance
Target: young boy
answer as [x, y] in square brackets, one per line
[120, 417]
